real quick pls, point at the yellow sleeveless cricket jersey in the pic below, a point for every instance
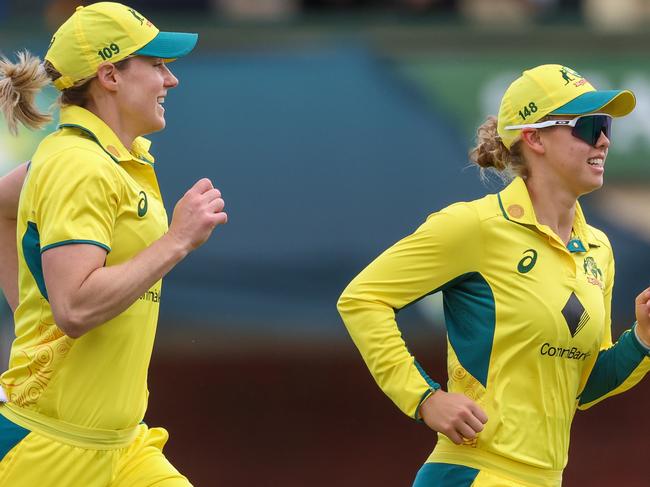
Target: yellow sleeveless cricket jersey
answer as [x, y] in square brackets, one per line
[528, 328]
[83, 186]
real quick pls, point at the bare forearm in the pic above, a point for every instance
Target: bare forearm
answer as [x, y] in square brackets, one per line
[9, 262]
[10, 185]
[108, 291]
[84, 294]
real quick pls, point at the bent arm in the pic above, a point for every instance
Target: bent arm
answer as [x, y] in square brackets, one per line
[621, 365]
[412, 268]
[84, 294]
[10, 186]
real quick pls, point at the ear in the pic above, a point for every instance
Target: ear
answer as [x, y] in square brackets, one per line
[531, 139]
[108, 76]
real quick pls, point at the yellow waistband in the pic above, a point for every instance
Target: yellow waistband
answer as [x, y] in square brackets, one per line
[71, 434]
[447, 452]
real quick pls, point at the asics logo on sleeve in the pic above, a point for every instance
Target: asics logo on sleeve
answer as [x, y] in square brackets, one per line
[528, 262]
[143, 204]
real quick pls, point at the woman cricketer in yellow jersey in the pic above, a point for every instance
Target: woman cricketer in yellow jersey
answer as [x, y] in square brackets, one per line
[93, 244]
[527, 287]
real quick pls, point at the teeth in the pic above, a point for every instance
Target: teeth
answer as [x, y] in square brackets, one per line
[596, 161]
[161, 99]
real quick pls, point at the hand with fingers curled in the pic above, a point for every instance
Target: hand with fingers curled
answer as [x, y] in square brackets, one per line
[454, 415]
[197, 214]
[642, 312]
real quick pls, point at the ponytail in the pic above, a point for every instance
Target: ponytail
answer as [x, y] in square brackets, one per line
[19, 84]
[491, 154]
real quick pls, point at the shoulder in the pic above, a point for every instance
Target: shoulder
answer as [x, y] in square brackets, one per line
[69, 152]
[600, 237]
[469, 213]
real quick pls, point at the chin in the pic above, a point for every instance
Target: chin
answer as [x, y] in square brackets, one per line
[156, 127]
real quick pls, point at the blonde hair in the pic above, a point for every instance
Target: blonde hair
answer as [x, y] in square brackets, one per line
[19, 84]
[491, 155]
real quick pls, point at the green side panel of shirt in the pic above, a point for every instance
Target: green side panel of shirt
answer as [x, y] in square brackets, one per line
[613, 366]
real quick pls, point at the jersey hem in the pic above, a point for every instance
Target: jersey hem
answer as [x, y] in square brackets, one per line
[500, 465]
[71, 434]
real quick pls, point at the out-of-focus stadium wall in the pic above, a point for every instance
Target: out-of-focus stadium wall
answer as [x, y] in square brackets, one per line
[330, 142]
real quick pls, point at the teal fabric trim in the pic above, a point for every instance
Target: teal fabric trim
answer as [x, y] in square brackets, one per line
[575, 245]
[613, 366]
[432, 384]
[31, 244]
[70, 242]
[426, 394]
[445, 475]
[10, 435]
[505, 215]
[470, 317]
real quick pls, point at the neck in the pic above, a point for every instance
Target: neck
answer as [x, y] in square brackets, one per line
[109, 113]
[554, 207]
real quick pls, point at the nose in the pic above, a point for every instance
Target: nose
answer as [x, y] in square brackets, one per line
[602, 142]
[171, 81]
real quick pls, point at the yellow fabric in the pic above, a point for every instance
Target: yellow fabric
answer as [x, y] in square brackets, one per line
[539, 91]
[40, 461]
[77, 191]
[536, 365]
[103, 31]
[489, 479]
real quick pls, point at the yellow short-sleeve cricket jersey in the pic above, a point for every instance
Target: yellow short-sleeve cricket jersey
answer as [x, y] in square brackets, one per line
[528, 328]
[83, 186]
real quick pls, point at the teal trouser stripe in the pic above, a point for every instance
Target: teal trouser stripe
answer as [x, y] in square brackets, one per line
[10, 435]
[445, 475]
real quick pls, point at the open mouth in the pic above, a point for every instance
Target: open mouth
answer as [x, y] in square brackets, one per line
[596, 162]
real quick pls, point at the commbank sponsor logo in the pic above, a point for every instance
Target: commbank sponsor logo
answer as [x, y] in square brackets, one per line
[573, 353]
[152, 295]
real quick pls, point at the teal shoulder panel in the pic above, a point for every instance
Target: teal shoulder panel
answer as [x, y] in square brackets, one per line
[613, 366]
[10, 435]
[445, 475]
[471, 320]
[31, 244]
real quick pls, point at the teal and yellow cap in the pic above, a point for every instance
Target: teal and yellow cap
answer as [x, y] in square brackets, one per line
[109, 31]
[553, 89]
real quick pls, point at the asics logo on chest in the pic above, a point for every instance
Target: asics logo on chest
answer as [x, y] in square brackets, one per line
[143, 204]
[527, 263]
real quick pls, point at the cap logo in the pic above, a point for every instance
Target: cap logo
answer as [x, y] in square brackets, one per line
[569, 75]
[135, 14]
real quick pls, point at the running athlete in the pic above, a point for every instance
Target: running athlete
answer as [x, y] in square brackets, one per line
[93, 244]
[527, 288]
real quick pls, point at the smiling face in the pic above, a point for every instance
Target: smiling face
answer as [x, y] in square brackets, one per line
[572, 163]
[147, 80]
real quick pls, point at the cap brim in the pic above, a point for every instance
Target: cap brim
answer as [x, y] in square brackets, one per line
[169, 45]
[616, 103]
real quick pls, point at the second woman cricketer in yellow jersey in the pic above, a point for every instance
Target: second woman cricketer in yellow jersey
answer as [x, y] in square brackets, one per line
[527, 288]
[93, 244]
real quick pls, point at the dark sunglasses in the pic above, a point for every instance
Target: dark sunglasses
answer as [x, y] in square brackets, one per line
[585, 127]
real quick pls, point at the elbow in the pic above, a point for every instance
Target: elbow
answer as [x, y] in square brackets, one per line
[342, 305]
[70, 322]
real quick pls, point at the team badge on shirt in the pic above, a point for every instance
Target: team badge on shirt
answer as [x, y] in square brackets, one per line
[593, 273]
